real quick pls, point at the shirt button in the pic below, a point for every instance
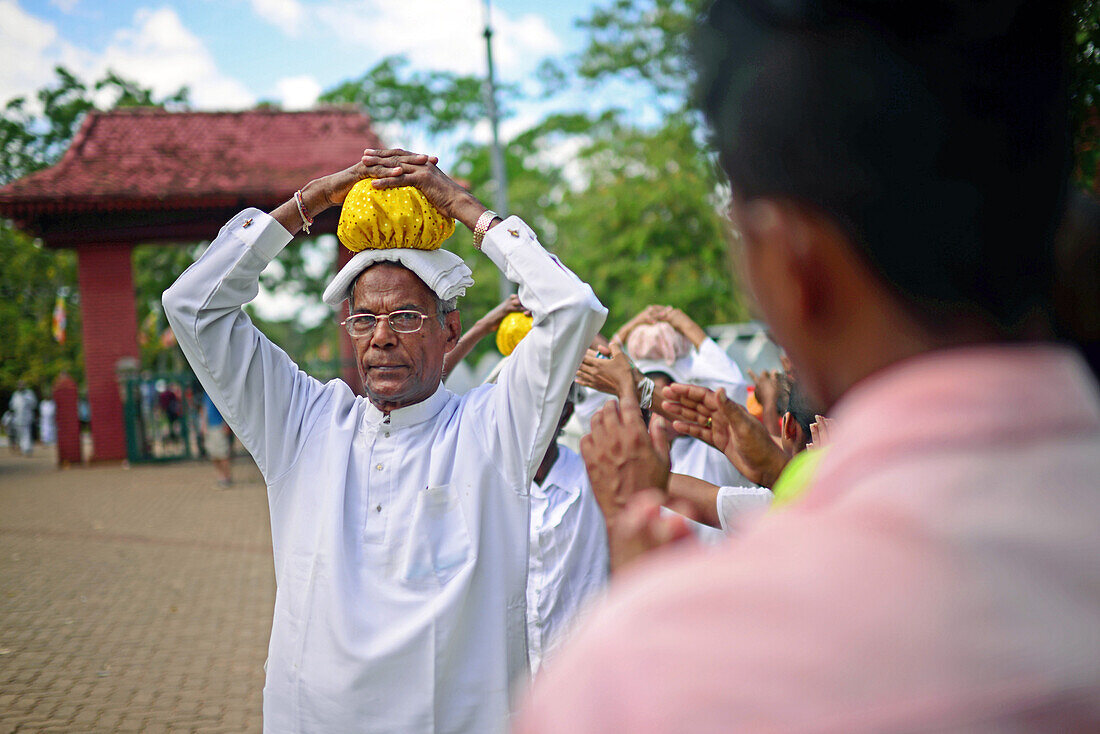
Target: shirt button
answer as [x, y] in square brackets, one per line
[379, 467]
[386, 434]
[247, 223]
[378, 508]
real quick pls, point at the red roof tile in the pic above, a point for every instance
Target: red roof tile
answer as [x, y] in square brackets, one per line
[146, 158]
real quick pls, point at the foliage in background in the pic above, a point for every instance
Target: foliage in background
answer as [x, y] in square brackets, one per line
[1085, 93]
[30, 279]
[34, 135]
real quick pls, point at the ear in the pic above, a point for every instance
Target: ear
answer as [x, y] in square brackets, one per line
[780, 251]
[452, 329]
[791, 430]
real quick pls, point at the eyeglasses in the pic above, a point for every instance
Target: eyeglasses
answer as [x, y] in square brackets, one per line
[403, 322]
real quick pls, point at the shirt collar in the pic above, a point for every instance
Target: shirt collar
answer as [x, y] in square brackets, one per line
[411, 414]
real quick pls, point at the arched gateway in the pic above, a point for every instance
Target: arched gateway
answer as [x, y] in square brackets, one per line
[142, 175]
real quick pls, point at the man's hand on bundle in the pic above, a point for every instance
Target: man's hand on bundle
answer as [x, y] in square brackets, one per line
[622, 456]
[646, 316]
[680, 321]
[491, 321]
[641, 528]
[727, 426]
[396, 168]
[611, 373]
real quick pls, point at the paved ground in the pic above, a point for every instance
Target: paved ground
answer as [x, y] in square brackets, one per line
[131, 599]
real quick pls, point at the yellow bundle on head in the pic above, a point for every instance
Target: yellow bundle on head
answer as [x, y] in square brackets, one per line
[512, 330]
[379, 219]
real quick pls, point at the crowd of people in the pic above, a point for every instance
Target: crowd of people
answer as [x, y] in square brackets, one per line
[713, 559]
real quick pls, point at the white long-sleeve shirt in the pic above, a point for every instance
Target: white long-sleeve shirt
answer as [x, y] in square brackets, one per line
[400, 541]
[569, 560]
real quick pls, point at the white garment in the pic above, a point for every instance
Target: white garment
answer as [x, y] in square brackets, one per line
[22, 405]
[47, 422]
[569, 559]
[695, 458]
[580, 423]
[737, 504]
[712, 368]
[400, 541]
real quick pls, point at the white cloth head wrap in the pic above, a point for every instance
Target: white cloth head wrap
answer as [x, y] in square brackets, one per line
[442, 271]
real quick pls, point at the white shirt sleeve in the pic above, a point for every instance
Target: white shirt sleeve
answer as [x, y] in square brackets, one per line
[736, 503]
[269, 403]
[533, 385]
[713, 368]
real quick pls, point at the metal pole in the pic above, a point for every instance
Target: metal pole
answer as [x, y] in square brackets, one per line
[500, 174]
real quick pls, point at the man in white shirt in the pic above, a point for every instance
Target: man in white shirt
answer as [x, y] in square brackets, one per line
[569, 561]
[400, 521]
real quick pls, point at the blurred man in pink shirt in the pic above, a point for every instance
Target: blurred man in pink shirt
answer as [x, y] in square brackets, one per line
[898, 170]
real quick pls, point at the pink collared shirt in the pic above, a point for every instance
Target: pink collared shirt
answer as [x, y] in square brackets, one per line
[942, 573]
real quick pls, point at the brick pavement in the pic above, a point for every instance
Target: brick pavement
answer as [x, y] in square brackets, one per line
[132, 600]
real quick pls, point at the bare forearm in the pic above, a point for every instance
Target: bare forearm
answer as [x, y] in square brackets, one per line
[701, 495]
[315, 201]
[465, 345]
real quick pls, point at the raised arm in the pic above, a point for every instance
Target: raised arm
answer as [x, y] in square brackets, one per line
[482, 328]
[270, 404]
[527, 401]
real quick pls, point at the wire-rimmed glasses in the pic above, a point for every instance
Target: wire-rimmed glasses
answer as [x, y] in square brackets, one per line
[403, 322]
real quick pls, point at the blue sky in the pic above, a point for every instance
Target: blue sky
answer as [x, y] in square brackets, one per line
[233, 53]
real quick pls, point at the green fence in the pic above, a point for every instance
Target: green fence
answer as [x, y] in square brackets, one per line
[163, 416]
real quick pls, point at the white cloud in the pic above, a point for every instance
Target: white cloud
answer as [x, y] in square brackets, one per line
[298, 92]
[161, 53]
[31, 49]
[286, 14]
[440, 34]
[156, 50]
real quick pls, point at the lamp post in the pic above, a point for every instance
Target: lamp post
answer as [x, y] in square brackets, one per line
[500, 174]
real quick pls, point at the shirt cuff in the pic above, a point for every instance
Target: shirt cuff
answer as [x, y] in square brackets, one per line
[260, 231]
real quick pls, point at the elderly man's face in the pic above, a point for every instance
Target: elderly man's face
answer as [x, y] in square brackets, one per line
[400, 369]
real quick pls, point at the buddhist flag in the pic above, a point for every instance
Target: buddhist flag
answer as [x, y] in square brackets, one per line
[60, 320]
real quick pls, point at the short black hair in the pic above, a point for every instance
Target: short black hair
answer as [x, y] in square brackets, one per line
[801, 407]
[934, 132]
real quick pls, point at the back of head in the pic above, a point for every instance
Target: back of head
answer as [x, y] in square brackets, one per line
[934, 132]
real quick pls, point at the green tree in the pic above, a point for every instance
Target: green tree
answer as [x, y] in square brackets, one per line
[33, 137]
[1085, 92]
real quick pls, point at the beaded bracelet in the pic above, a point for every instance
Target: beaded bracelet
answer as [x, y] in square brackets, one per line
[306, 219]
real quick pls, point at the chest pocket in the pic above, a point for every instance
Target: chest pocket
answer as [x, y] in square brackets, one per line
[439, 543]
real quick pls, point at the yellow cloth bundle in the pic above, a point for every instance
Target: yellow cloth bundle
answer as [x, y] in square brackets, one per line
[512, 330]
[379, 219]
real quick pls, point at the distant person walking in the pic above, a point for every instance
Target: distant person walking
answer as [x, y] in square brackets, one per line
[216, 438]
[47, 422]
[22, 406]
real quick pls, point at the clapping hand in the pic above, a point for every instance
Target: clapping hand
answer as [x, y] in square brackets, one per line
[727, 426]
[820, 432]
[641, 528]
[623, 457]
[611, 373]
